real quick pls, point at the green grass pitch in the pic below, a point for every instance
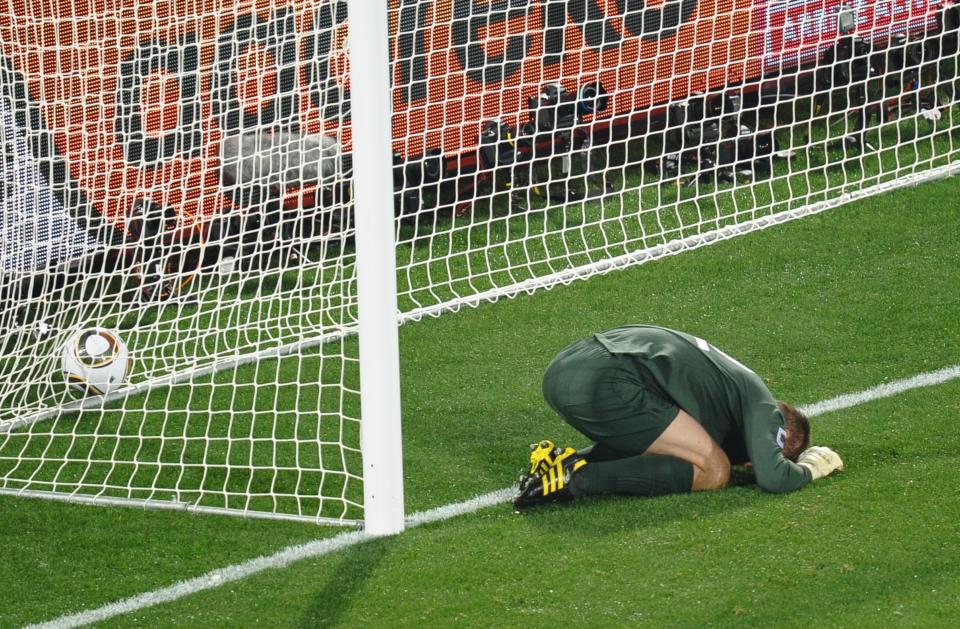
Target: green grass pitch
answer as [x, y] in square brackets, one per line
[830, 304]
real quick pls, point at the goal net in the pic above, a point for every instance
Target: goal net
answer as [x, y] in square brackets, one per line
[182, 172]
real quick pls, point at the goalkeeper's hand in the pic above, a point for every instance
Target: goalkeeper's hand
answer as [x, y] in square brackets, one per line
[820, 461]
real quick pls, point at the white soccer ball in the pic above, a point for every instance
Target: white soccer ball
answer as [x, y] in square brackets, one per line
[95, 361]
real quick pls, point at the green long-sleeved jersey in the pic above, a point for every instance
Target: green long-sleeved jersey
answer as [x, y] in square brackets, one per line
[729, 400]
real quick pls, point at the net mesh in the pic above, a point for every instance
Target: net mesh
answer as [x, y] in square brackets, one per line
[212, 239]
[179, 171]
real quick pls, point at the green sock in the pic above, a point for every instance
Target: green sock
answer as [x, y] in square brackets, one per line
[640, 475]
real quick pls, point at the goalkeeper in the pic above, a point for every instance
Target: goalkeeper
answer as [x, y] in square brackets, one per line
[667, 413]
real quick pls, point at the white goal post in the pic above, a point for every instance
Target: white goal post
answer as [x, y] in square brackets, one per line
[253, 195]
[380, 434]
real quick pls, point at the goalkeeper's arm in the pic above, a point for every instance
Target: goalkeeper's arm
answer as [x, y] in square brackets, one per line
[820, 461]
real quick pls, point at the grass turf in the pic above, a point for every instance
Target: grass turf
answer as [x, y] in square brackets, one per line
[833, 303]
[868, 548]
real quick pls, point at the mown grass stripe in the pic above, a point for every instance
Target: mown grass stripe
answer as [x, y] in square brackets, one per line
[318, 548]
[280, 559]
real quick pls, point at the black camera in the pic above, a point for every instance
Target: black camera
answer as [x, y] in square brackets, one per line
[592, 99]
[428, 168]
[555, 109]
[416, 181]
[498, 144]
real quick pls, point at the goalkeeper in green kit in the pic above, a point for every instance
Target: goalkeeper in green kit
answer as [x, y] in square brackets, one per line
[667, 413]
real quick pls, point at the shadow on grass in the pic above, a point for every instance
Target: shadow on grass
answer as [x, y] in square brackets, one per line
[345, 585]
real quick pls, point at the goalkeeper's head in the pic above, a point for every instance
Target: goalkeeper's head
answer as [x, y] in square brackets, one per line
[798, 431]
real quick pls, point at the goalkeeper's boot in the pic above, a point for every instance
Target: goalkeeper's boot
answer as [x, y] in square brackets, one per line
[551, 470]
[543, 456]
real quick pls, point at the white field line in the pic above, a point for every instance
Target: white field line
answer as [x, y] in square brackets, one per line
[279, 559]
[888, 389]
[318, 548]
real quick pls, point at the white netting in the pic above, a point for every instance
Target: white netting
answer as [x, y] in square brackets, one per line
[179, 171]
[607, 133]
[214, 236]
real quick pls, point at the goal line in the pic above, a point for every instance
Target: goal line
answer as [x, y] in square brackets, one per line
[319, 548]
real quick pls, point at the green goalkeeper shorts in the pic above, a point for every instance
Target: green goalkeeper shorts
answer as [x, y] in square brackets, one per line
[605, 397]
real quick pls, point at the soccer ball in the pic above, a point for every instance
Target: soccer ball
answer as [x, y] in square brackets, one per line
[95, 361]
